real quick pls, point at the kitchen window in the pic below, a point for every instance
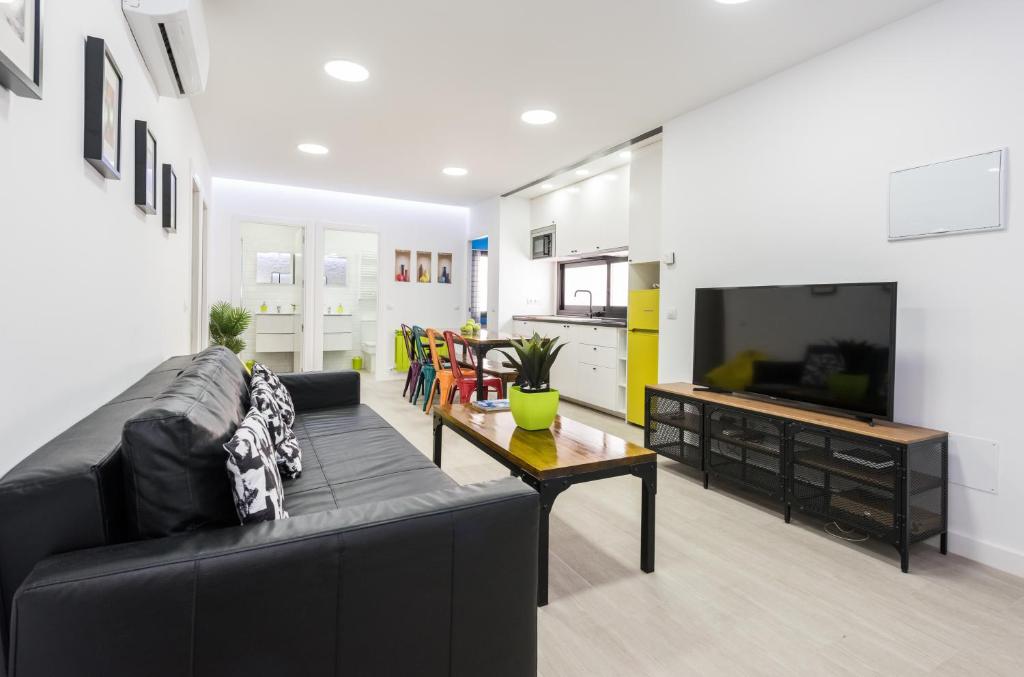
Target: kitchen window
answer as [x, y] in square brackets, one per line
[606, 278]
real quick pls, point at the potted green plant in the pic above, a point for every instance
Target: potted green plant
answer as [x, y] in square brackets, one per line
[851, 384]
[227, 324]
[533, 401]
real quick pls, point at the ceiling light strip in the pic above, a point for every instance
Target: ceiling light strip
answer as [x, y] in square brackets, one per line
[590, 158]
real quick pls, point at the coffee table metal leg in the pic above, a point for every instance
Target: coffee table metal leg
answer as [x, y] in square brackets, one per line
[549, 491]
[481, 392]
[438, 427]
[648, 474]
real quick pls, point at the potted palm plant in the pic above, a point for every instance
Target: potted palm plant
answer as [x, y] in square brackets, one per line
[227, 324]
[534, 403]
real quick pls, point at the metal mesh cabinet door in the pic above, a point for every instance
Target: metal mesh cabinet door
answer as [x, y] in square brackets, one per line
[853, 481]
[746, 448]
[674, 428]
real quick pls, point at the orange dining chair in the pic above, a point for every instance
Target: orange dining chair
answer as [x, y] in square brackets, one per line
[465, 379]
[444, 379]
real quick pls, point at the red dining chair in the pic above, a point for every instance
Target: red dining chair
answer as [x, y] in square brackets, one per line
[465, 379]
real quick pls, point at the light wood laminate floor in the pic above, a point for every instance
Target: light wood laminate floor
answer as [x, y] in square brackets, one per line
[736, 590]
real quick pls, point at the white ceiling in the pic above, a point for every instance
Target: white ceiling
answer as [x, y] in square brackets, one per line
[449, 80]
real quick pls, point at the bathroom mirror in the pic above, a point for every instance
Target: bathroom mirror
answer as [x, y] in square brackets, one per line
[335, 271]
[957, 196]
[275, 268]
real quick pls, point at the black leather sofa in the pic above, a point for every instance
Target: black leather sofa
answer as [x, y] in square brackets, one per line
[385, 567]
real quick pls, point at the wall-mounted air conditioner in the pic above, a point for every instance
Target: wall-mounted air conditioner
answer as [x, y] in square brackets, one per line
[171, 35]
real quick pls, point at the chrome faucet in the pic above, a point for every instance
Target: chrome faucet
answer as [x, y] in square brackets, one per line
[590, 313]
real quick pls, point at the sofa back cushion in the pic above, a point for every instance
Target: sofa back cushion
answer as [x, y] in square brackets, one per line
[175, 477]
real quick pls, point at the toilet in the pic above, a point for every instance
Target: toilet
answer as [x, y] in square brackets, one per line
[369, 354]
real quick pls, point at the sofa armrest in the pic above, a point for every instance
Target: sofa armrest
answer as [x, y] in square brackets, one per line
[442, 583]
[320, 389]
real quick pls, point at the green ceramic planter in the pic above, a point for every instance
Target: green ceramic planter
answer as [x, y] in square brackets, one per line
[533, 411]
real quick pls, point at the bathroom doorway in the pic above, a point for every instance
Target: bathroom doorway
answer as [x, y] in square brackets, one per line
[347, 299]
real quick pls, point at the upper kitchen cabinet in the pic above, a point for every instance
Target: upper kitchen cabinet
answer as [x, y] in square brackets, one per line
[604, 211]
[645, 204]
[590, 217]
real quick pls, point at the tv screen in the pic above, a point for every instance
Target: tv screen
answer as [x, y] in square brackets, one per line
[827, 346]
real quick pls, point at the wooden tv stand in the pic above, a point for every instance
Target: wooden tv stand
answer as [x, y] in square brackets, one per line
[885, 479]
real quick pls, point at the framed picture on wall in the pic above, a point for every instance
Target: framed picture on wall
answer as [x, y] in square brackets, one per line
[21, 47]
[170, 212]
[145, 168]
[103, 97]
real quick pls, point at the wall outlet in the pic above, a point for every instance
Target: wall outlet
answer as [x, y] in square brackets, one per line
[668, 258]
[671, 314]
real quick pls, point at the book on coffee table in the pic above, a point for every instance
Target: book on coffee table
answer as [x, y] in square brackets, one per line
[490, 405]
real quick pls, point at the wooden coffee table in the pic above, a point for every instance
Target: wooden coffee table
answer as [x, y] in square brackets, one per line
[553, 460]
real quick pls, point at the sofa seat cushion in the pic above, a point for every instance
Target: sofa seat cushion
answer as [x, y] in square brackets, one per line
[173, 450]
[351, 456]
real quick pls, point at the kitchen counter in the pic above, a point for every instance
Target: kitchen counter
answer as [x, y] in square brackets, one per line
[617, 322]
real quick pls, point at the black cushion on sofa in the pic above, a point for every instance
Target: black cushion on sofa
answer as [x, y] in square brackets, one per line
[173, 451]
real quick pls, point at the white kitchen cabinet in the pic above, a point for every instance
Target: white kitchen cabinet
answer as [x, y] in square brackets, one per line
[645, 205]
[590, 217]
[604, 211]
[601, 385]
[563, 371]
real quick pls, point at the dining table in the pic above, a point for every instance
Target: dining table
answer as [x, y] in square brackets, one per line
[481, 343]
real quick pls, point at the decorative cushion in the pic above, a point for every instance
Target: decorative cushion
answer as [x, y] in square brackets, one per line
[255, 481]
[262, 373]
[173, 449]
[286, 447]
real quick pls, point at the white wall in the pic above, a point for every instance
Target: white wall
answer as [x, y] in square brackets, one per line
[528, 286]
[786, 182]
[401, 224]
[98, 293]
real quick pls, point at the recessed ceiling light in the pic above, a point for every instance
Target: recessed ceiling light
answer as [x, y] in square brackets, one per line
[582, 172]
[455, 171]
[995, 170]
[347, 71]
[626, 154]
[611, 177]
[313, 148]
[547, 186]
[538, 117]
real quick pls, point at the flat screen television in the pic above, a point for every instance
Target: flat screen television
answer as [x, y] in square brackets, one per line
[825, 346]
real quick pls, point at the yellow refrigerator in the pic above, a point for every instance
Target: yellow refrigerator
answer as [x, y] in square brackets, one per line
[642, 343]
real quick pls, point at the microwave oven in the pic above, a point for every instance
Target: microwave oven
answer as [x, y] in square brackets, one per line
[542, 243]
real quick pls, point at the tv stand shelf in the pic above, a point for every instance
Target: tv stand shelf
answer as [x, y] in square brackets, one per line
[887, 480]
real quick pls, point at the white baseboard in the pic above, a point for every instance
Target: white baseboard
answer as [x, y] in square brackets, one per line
[989, 554]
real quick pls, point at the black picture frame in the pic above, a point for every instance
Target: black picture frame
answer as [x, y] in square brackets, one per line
[170, 195]
[15, 78]
[97, 102]
[146, 168]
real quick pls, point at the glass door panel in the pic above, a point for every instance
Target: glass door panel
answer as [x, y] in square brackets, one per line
[272, 290]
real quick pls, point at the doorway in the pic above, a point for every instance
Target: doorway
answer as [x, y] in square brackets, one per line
[478, 280]
[346, 299]
[198, 338]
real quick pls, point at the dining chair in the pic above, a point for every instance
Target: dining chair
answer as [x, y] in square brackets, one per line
[426, 374]
[412, 376]
[444, 379]
[465, 379]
